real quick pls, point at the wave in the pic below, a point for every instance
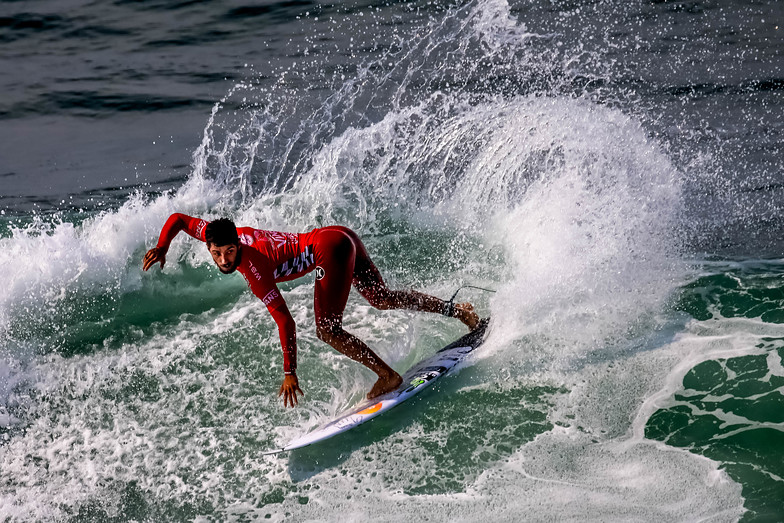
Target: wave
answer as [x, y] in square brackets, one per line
[512, 181]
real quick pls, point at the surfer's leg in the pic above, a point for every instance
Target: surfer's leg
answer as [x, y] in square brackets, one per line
[368, 281]
[335, 253]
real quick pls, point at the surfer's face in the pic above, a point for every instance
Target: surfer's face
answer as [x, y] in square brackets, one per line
[225, 257]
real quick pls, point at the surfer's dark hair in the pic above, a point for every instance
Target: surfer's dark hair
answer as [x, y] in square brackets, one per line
[221, 232]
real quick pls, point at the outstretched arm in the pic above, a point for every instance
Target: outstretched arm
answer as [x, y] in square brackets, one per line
[262, 284]
[177, 222]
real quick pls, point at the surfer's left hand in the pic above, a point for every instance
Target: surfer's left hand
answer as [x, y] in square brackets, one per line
[289, 390]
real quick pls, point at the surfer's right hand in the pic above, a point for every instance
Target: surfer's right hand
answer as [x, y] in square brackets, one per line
[465, 313]
[153, 256]
[289, 390]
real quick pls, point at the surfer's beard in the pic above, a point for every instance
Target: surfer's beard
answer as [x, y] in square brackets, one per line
[229, 270]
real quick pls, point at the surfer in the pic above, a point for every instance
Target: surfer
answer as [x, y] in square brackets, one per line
[338, 258]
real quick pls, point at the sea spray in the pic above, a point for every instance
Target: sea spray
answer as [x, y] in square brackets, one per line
[593, 241]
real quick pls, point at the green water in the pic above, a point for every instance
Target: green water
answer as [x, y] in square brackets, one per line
[155, 393]
[732, 409]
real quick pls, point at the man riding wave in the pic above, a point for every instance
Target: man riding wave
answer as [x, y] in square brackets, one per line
[339, 259]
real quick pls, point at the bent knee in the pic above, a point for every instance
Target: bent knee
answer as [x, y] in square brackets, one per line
[328, 330]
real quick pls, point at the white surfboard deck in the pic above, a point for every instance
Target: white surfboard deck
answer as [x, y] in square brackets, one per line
[415, 380]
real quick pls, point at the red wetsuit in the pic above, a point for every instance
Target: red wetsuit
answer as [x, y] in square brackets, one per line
[268, 257]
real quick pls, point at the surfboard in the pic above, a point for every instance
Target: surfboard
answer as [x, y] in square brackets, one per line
[415, 380]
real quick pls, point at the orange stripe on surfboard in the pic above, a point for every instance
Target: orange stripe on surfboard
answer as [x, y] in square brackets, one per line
[372, 409]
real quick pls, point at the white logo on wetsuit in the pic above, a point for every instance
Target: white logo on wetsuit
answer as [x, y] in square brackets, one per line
[200, 228]
[254, 271]
[320, 273]
[271, 295]
[279, 239]
[296, 264]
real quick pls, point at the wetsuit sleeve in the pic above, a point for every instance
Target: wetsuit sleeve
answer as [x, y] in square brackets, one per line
[181, 222]
[288, 337]
[262, 284]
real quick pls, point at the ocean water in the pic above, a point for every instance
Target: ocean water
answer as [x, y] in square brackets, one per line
[613, 171]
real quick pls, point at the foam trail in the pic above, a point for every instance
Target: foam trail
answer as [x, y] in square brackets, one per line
[74, 278]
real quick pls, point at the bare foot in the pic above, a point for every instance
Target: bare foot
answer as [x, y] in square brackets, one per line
[465, 313]
[385, 384]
